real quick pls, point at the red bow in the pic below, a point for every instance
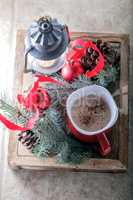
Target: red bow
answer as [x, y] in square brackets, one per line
[36, 99]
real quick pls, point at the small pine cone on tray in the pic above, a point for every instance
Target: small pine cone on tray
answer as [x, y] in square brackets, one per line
[104, 47]
[28, 139]
[107, 51]
[90, 60]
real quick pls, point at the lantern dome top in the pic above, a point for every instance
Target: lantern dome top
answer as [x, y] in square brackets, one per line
[47, 39]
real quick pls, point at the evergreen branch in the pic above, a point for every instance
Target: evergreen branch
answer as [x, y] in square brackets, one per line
[55, 140]
[14, 113]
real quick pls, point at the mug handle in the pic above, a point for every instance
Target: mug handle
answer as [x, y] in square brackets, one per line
[105, 147]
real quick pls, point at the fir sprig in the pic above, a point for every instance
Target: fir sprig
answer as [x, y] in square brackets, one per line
[15, 114]
[55, 140]
[107, 76]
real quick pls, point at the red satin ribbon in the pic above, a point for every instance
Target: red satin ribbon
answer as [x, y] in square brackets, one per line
[79, 50]
[29, 104]
[100, 64]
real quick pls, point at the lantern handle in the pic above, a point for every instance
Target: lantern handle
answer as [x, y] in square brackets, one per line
[27, 50]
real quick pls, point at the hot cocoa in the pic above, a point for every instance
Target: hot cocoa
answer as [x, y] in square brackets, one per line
[91, 113]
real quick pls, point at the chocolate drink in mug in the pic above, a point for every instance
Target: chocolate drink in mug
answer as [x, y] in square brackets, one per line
[90, 113]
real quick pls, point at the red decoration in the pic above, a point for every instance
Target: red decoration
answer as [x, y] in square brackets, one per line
[100, 64]
[67, 73]
[36, 99]
[77, 69]
[77, 51]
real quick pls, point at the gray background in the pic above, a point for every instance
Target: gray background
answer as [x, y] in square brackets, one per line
[86, 15]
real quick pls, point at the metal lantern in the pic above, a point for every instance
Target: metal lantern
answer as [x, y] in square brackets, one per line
[46, 45]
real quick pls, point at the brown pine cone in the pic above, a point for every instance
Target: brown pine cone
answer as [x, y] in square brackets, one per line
[107, 51]
[104, 47]
[90, 60]
[28, 139]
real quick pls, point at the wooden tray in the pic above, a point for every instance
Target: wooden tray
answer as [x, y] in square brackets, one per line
[19, 157]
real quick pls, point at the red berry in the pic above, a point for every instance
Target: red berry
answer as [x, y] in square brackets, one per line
[78, 69]
[67, 73]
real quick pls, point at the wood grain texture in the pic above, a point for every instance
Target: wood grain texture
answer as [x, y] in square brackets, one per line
[19, 157]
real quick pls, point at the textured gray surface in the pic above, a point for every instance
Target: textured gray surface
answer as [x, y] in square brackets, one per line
[85, 15]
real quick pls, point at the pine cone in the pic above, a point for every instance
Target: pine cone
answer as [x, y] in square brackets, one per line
[104, 47]
[28, 139]
[90, 60]
[107, 51]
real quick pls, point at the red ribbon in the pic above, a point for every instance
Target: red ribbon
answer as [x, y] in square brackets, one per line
[100, 64]
[79, 50]
[36, 99]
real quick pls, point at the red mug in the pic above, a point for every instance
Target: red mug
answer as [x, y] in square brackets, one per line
[100, 135]
[105, 147]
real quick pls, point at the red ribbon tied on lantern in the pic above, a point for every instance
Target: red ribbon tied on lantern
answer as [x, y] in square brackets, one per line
[36, 99]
